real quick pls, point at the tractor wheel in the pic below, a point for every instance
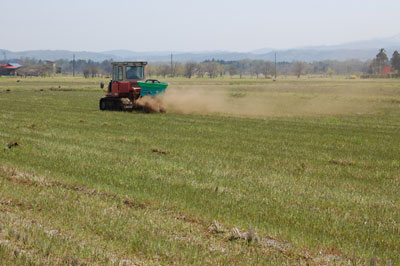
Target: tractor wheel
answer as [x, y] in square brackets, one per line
[103, 104]
[147, 109]
[121, 106]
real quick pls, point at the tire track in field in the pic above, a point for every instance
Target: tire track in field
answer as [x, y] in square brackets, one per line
[24, 178]
[218, 237]
[17, 232]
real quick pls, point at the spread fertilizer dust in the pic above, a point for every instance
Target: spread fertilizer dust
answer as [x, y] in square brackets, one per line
[260, 104]
[151, 105]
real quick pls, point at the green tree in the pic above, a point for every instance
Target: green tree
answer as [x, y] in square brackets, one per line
[395, 61]
[381, 56]
[380, 61]
[330, 72]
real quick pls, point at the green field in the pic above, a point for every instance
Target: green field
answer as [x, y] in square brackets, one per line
[311, 166]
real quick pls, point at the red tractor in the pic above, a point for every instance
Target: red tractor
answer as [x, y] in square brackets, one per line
[127, 87]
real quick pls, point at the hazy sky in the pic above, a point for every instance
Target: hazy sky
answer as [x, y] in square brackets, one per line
[185, 25]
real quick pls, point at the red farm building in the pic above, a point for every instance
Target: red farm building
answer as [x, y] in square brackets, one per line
[386, 70]
[9, 69]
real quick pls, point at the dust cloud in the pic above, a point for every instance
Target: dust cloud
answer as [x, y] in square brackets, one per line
[151, 105]
[224, 102]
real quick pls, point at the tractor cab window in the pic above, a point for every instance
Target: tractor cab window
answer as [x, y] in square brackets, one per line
[134, 72]
[120, 73]
[117, 73]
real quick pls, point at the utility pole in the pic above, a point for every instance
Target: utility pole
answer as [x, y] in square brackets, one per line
[5, 56]
[172, 67]
[73, 66]
[275, 65]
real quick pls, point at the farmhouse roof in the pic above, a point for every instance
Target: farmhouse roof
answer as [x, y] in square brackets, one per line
[10, 66]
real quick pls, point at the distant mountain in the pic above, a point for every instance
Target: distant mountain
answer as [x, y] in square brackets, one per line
[262, 51]
[202, 56]
[130, 54]
[310, 55]
[362, 50]
[178, 56]
[387, 43]
[57, 54]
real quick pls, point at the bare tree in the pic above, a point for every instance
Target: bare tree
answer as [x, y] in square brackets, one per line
[266, 69]
[163, 70]
[232, 69]
[202, 70]
[151, 70]
[86, 73]
[256, 67]
[94, 70]
[242, 71]
[178, 69]
[212, 68]
[244, 65]
[190, 69]
[255, 70]
[298, 68]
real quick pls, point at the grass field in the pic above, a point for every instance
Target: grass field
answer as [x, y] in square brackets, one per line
[310, 166]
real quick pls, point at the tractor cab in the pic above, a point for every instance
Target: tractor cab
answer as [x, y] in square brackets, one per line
[128, 71]
[125, 79]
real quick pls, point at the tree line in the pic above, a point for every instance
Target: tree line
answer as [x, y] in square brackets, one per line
[381, 61]
[257, 68]
[88, 68]
[214, 68]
